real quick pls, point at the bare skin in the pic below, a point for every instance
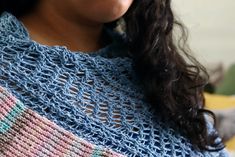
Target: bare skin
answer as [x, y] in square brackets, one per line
[76, 24]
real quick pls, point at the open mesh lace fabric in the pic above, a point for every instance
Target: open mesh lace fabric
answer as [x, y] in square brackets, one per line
[92, 96]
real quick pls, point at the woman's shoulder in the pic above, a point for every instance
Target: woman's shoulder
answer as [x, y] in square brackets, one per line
[15, 37]
[11, 26]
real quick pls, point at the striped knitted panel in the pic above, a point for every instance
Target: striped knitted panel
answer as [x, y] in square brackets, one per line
[23, 132]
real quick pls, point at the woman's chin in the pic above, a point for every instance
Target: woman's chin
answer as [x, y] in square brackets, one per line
[112, 10]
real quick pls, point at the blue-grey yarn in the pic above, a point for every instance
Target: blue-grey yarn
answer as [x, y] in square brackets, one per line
[94, 96]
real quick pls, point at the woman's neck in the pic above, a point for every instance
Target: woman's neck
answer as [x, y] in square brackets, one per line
[49, 27]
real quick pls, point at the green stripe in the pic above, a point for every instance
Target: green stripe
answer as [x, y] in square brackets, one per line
[97, 152]
[9, 120]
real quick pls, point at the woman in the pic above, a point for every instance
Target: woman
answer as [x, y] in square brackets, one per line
[132, 92]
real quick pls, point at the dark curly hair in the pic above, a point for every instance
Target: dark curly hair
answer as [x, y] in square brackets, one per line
[171, 77]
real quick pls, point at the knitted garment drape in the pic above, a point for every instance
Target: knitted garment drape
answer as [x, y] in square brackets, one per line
[25, 133]
[93, 96]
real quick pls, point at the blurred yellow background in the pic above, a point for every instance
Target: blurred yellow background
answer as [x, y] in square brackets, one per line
[211, 25]
[221, 102]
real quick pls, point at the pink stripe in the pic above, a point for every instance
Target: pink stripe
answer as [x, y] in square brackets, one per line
[26, 139]
[1, 89]
[40, 138]
[19, 145]
[80, 147]
[34, 135]
[38, 135]
[32, 139]
[59, 140]
[74, 149]
[70, 144]
[88, 148]
[12, 152]
[68, 139]
[6, 104]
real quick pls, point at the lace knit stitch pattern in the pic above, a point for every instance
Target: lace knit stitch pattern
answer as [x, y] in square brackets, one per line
[25, 133]
[94, 96]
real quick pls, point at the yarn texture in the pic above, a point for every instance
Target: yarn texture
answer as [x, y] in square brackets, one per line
[25, 133]
[94, 96]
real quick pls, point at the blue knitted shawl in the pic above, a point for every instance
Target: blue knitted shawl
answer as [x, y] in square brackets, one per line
[94, 96]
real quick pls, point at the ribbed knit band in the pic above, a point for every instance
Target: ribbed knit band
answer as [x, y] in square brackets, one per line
[25, 133]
